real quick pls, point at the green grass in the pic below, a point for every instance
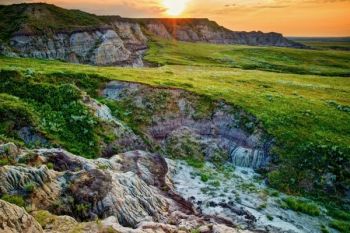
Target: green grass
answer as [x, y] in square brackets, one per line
[14, 199]
[284, 60]
[302, 206]
[52, 106]
[329, 45]
[311, 135]
[341, 226]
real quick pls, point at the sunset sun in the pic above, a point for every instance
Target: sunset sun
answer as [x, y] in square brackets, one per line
[175, 8]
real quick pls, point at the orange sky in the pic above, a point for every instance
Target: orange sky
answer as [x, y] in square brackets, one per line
[290, 17]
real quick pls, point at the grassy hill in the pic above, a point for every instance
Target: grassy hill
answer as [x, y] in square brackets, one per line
[282, 60]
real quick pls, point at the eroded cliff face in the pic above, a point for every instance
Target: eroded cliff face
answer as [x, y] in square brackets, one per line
[183, 125]
[98, 47]
[204, 30]
[114, 40]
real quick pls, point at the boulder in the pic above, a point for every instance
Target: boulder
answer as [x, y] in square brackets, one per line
[9, 150]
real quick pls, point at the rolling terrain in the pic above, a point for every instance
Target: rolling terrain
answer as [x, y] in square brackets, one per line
[201, 137]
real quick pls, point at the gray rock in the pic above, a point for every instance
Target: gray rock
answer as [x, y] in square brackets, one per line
[31, 137]
[9, 149]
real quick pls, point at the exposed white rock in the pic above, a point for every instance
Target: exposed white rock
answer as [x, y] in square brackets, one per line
[241, 198]
[247, 157]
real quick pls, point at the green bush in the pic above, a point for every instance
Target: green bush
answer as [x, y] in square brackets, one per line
[204, 177]
[50, 166]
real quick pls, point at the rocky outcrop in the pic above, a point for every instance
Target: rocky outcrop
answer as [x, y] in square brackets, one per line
[99, 47]
[130, 191]
[204, 30]
[112, 40]
[126, 139]
[14, 219]
[184, 125]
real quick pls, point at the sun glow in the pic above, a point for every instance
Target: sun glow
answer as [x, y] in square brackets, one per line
[175, 7]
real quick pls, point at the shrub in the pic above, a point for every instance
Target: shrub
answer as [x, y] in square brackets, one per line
[195, 162]
[30, 187]
[302, 206]
[324, 229]
[262, 206]
[215, 183]
[342, 226]
[14, 199]
[5, 161]
[82, 208]
[204, 177]
[50, 166]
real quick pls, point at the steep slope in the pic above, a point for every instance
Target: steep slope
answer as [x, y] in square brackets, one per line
[45, 31]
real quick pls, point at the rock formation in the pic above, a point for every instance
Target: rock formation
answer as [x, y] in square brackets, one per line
[129, 190]
[171, 119]
[14, 219]
[109, 40]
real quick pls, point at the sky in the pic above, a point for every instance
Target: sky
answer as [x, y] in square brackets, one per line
[290, 17]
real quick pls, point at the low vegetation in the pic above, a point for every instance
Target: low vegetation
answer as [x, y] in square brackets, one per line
[301, 206]
[52, 105]
[342, 226]
[14, 199]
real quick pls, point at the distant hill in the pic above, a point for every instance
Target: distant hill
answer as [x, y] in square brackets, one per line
[330, 43]
[46, 31]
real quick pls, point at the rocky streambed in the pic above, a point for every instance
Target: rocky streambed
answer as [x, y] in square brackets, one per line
[240, 195]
